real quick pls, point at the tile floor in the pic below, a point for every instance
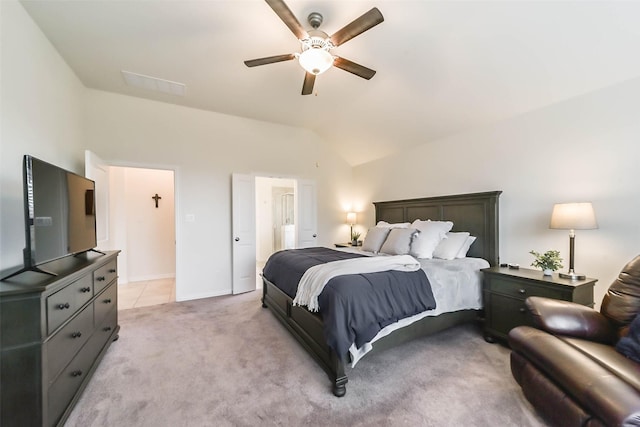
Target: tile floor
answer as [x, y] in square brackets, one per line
[145, 293]
[161, 291]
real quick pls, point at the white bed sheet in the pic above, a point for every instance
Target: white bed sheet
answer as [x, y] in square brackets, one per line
[456, 285]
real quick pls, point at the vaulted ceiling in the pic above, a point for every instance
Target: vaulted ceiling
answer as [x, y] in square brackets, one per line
[443, 67]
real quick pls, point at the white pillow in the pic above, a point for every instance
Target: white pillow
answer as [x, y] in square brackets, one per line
[449, 247]
[385, 224]
[374, 239]
[431, 233]
[399, 241]
[462, 253]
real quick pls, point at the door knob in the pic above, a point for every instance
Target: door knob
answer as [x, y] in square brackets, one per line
[237, 239]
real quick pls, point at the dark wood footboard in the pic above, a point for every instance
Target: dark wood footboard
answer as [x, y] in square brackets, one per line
[306, 327]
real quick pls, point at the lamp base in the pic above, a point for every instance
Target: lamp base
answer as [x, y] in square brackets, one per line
[572, 276]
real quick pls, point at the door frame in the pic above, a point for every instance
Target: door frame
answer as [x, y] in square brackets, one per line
[176, 208]
[297, 183]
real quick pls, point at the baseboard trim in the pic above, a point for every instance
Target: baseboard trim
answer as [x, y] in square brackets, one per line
[190, 297]
[151, 277]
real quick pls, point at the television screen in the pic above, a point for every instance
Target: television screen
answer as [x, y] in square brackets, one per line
[59, 212]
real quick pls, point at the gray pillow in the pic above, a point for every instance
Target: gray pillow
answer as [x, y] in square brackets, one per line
[374, 239]
[399, 241]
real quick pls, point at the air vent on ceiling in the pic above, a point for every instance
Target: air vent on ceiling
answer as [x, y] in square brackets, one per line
[153, 83]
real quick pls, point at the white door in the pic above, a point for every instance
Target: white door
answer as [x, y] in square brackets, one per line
[98, 170]
[243, 206]
[306, 218]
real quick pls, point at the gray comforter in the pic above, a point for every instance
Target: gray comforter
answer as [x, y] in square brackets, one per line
[354, 307]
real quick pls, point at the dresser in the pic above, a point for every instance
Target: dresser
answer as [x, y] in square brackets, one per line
[505, 290]
[54, 330]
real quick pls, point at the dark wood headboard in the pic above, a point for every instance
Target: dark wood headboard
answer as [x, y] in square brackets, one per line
[476, 213]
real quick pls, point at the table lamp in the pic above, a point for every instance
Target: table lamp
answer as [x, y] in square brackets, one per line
[351, 220]
[573, 216]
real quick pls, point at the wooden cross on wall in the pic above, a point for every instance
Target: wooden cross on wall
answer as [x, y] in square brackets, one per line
[156, 198]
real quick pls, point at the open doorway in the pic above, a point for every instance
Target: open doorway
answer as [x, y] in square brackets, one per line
[256, 221]
[135, 213]
[275, 219]
[142, 219]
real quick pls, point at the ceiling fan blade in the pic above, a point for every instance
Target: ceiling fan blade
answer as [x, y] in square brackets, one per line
[290, 20]
[269, 60]
[307, 86]
[352, 67]
[357, 26]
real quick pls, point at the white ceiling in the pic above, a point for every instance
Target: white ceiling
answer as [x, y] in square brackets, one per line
[442, 66]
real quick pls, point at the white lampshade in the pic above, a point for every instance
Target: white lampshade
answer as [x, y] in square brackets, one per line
[573, 216]
[351, 218]
[315, 60]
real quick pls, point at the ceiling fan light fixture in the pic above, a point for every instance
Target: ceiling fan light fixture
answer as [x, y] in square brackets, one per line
[315, 57]
[316, 60]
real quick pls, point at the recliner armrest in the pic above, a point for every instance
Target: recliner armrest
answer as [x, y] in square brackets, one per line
[570, 319]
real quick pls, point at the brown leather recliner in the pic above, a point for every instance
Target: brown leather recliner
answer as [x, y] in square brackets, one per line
[567, 365]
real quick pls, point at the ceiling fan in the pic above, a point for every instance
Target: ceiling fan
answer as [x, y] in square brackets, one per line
[315, 57]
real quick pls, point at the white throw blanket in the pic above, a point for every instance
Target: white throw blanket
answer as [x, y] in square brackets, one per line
[315, 278]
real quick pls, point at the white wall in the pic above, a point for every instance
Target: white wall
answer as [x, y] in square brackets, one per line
[584, 149]
[205, 148]
[145, 234]
[41, 114]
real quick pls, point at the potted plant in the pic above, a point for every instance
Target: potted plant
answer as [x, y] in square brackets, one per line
[549, 261]
[354, 238]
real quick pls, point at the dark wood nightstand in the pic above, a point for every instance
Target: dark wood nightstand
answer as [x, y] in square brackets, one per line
[343, 245]
[505, 290]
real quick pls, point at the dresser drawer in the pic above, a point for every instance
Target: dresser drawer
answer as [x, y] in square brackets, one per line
[105, 302]
[104, 275]
[67, 384]
[523, 289]
[102, 334]
[64, 303]
[61, 348]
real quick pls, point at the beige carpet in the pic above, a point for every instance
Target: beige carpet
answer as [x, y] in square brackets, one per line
[226, 361]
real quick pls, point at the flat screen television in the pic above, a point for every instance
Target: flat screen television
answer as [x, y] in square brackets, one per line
[59, 212]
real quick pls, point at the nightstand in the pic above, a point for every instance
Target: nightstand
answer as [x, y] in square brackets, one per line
[343, 245]
[506, 289]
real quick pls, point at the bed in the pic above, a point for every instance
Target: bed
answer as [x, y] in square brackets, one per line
[476, 213]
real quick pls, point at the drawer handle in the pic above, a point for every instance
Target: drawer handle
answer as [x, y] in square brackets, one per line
[523, 291]
[76, 334]
[100, 278]
[112, 270]
[76, 373]
[107, 301]
[85, 289]
[107, 328]
[63, 306]
[522, 310]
